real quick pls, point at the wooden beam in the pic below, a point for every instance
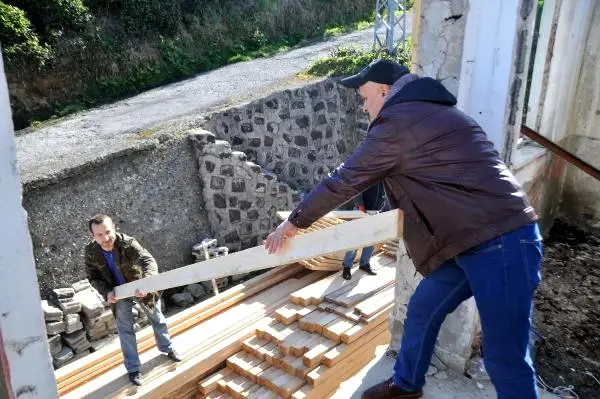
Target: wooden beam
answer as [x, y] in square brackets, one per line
[346, 215]
[358, 233]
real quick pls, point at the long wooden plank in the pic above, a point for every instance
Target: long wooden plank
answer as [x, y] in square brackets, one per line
[343, 311]
[364, 288]
[362, 354]
[357, 233]
[290, 312]
[362, 328]
[98, 362]
[340, 352]
[348, 215]
[336, 328]
[342, 372]
[209, 384]
[375, 303]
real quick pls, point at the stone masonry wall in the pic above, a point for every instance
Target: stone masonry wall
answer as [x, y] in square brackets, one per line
[299, 135]
[242, 201]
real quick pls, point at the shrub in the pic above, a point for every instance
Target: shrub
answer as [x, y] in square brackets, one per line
[141, 17]
[52, 17]
[19, 40]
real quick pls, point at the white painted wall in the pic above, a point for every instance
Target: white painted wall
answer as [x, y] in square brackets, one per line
[22, 329]
[489, 68]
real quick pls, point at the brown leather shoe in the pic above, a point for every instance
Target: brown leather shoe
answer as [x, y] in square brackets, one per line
[387, 390]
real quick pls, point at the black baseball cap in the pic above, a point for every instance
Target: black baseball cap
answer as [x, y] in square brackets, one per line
[378, 71]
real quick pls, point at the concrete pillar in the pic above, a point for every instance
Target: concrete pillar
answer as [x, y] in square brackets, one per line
[437, 39]
[25, 363]
[453, 346]
[479, 49]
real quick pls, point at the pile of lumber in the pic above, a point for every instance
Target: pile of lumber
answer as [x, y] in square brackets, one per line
[390, 248]
[324, 334]
[286, 298]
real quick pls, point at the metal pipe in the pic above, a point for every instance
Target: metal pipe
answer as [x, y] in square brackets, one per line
[561, 152]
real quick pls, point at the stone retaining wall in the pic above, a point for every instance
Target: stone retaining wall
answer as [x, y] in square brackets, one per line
[242, 201]
[300, 135]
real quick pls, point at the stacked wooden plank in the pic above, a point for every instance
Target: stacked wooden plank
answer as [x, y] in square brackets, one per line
[308, 349]
[391, 248]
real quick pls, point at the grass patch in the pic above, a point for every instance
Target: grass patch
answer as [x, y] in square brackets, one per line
[344, 61]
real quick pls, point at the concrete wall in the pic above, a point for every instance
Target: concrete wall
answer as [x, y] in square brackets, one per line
[25, 362]
[564, 103]
[300, 135]
[153, 194]
[581, 193]
[561, 51]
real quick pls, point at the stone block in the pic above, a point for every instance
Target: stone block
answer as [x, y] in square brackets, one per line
[63, 357]
[75, 340]
[197, 290]
[81, 285]
[96, 334]
[91, 302]
[69, 307]
[72, 319]
[55, 343]
[182, 299]
[51, 312]
[72, 323]
[62, 293]
[55, 327]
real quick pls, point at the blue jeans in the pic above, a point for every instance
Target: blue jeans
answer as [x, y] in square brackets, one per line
[365, 257]
[124, 317]
[502, 274]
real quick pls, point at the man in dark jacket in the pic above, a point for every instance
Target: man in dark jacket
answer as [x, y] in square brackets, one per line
[468, 226]
[372, 199]
[113, 259]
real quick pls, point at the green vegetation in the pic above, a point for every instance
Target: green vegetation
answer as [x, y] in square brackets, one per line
[63, 56]
[345, 61]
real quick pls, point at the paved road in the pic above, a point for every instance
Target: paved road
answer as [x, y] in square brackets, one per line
[54, 150]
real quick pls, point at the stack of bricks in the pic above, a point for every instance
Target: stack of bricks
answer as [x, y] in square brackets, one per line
[75, 316]
[66, 336]
[78, 316]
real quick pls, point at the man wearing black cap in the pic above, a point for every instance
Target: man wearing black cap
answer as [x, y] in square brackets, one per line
[468, 226]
